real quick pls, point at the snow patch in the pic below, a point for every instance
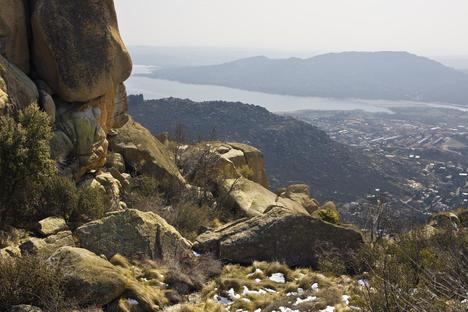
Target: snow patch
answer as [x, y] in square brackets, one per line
[278, 278]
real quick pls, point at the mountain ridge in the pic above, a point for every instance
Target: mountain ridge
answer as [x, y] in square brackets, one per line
[368, 75]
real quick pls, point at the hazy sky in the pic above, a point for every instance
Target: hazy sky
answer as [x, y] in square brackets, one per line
[429, 27]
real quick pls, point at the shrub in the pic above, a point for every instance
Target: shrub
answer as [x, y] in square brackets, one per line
[59, 198]
[416, 272]
[329, 213]
[25, 162]
[246, 172]
[30, 280]
[91, 205]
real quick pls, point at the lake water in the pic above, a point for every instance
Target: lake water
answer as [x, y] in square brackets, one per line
[157, 89]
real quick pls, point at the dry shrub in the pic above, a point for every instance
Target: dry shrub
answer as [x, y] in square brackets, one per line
[31, 280]
[10, 237]
[416, 272]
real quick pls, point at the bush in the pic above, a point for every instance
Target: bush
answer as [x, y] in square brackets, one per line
[416, 272]
[59, 198]
[30, 280]
[25, 162]
[329, 213]
[91, 206]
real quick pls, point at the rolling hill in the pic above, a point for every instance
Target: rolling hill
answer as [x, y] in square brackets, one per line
[367, 75]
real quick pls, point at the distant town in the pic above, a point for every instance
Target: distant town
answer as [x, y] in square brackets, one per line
[427, 147]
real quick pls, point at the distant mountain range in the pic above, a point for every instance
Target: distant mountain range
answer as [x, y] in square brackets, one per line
[294, 151]
[367, 75]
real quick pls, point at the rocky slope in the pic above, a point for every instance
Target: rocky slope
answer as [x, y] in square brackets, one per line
[294, 151]
[68, 58]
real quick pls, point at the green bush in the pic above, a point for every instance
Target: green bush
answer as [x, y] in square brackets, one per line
[59, 198]
[25, 162]
[91, 206]
[329, 213]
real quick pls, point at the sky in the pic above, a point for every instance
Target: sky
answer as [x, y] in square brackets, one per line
[426, 27]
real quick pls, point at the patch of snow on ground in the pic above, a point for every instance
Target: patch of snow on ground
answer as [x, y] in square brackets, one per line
[278, 278]
[132, 302]
[363, 282]
[283, 309]
[247, 291]
[328, 309]
[345, 299]
[314, 286]
[222, 300]
[308, 299]
[232, 294]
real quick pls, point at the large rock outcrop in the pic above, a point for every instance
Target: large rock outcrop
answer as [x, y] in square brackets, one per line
[14, 37]
[77, 48]
[17, 91]
[133, 234]
[145, 154]
[210, 163]
[248, 198]
[278, 235]
[93, 281]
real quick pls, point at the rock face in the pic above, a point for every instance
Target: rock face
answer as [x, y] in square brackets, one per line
[46, 246]
[17, 91]
[93, 281]
[79, 142]
[51, 225]
[133, 234]
[14, 33]
[295, 239]
[89, 278]
[91, 61]
[145, 154]
[445, 220]
[214, 161]
[251, 199]
[300, 193]
[80, 63]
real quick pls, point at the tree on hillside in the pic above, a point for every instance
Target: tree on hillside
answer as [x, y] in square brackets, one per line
[25, 162]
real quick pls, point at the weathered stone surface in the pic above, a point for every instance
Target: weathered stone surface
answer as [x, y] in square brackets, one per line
[79, 142]
[17, 91]
[108, 186]
[295, 239]
[94, 281]
[10, 252]
[91, 61]
[51, 225]
[144, 153]
[120, 116]
[213, 162]
[115, 160]
[89, 279]
[445, 220]
[254, 160]
[251, 199]
[14, 33]
[300, 194]
[47, 246]
[25, 308]
[133, 234]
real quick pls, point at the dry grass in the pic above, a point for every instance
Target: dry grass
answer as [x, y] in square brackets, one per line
[31, 280]
[254, 289]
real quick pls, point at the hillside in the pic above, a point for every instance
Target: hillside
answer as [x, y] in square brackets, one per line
[294, 150]
[379, 75]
